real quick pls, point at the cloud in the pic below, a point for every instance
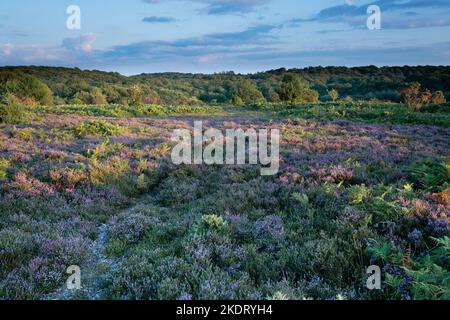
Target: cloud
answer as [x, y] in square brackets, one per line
[6, 49]
[154, 19]
[82, 43]
[350, 9]
[196, 46]
[222, 7]
[232, 6]
[396, 14]
[379, 56]
[208, 58]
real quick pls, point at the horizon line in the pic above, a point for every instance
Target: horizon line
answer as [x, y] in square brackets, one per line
[224, 71]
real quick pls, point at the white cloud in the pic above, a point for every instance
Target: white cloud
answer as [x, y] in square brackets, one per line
[6, 49]
[82, 43]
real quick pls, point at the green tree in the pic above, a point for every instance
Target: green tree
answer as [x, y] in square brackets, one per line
[294, 89]
[97, 97]
[82, 97]
[237, 101]
[247, 91]
[28, 89]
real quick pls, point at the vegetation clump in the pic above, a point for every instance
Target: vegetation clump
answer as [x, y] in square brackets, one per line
[96, 127]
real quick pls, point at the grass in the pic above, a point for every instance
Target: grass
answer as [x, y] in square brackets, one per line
[360, 111]
[366, 112]
[129, 111]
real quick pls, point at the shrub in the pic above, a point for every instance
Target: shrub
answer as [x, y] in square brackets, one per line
[4, 165]
[130, 227]
[210, 223]
[97, 97]
[438, 97]
[333, 94]
[26, 88]
[246, 91]
[25, 134]
[96, 128]
[414, 98]
[13, 112]
[110, 172]
[237, 101]
[411, 95]
[296, 90]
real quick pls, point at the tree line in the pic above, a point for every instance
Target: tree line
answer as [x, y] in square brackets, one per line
[50, 85]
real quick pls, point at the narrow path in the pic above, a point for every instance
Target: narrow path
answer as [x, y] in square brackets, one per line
[95, 270]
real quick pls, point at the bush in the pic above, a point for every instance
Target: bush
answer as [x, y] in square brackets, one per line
[28, 89]
[13, 112]
[4, 165]
[414, 98]
[96, 128]
[438, 97]
[296, 90]
[210, 223]
[247, 91]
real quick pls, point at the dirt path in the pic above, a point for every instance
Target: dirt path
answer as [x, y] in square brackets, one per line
[96, 269]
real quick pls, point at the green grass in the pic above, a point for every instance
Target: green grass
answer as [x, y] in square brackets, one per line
[360, 111]
[129, 111]
[367, 112]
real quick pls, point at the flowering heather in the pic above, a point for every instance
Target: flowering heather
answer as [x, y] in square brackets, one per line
[100, 192]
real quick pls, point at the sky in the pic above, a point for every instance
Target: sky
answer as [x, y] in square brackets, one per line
[207, 36]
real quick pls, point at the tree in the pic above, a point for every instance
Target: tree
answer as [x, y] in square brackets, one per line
[97, 97]
[293, 89]
[411, 95]
[136, 95]
[333, 94]
[28, 89]
[247, 91]
[237, 101]
[82, 97]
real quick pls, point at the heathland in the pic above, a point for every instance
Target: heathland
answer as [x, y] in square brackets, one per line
[364, 180]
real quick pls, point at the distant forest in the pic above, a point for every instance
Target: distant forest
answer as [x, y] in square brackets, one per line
[75, 86]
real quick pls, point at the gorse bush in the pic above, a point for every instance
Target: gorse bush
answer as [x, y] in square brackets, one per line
[96, 128]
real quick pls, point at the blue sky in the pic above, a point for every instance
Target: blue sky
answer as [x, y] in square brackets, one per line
[136, 36]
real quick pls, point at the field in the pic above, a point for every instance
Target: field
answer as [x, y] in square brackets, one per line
[360, 184]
